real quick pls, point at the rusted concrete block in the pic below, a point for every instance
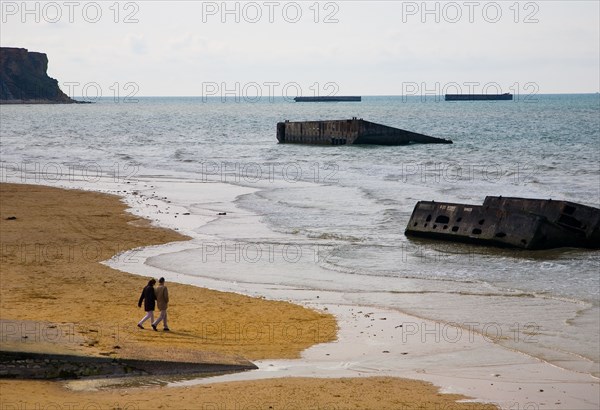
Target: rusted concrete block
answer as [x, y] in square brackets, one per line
[352, 131]
[511, 222]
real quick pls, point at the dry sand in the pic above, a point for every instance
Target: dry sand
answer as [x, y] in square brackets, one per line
[375, 393]
[60, 297]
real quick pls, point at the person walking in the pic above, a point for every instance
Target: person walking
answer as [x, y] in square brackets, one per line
[149, 299]
[162, 300]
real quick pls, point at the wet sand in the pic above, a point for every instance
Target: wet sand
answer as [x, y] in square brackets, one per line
[59, 295]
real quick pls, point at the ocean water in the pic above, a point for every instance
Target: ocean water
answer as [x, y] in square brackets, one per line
[348, 206]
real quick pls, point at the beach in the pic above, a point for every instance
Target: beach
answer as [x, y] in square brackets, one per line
[59, 298]
[55, 249]
[369, 352]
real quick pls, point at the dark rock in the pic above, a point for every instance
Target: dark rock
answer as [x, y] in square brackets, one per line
[11, 218]
[25, 365]
[23, 78]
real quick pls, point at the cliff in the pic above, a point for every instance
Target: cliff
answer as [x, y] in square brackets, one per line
[23, 78]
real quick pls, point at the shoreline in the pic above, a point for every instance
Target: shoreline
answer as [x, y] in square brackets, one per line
[74, 219]
[505, 393]
[67, 243]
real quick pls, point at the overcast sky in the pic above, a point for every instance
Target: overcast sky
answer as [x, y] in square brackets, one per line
[191, 48]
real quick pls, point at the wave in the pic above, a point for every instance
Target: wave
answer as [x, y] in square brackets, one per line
[467, 293]
[335, 236]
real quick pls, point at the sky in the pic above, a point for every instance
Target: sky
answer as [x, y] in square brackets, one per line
[288, 48]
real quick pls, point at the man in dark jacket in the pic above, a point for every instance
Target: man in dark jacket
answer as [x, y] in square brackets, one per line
[149, 300]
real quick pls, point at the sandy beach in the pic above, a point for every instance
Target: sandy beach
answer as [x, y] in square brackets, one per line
[65, 300]
[52, 253]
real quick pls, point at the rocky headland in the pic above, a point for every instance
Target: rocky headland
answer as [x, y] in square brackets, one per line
[23, 79]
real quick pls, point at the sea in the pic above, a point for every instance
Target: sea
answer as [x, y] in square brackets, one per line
[347, 206]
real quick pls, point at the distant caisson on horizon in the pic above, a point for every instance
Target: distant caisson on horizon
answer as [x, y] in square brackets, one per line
[479, 97]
